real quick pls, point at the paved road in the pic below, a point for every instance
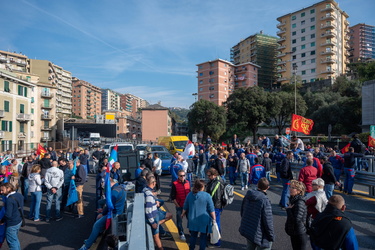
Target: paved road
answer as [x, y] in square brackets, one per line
[70, 232]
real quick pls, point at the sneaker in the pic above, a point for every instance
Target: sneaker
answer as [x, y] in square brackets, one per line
[242, 188]
[79, 216]
[47, 219]
[166, 236]
[182, 237]
[59, 218]
[37, 220]
[246, 187]
[83, 247]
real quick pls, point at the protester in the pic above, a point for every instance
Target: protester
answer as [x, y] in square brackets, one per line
[256, 218]
[68, 173]
[79, 179]
[316, 201]
[200, 212]
[328, 177]
[243, 168]
[35, 187]
[349, 165]
[257, 171]
[285, 175]
[296, 216]
[307, 175]
[54, 180]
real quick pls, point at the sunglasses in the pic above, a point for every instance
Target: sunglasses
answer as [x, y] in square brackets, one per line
[182, 175]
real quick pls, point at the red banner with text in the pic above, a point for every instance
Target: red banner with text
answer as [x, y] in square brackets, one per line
[301, 124]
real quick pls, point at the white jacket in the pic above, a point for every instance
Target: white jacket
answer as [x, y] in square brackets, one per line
[35, 182]
[54, 178]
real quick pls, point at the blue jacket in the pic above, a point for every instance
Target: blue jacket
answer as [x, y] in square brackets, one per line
[118, 196]
[251, 158]
[174, 171]
[256, 172]
[12, 214]
[257, 220]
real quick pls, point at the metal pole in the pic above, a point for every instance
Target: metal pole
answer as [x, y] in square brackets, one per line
[295, 88]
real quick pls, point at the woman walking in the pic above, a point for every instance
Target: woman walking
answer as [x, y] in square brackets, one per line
[296, 216]
[200, 211]
[35, 187]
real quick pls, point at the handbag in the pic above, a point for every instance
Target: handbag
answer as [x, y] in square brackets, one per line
[215, 235]
[21, 213]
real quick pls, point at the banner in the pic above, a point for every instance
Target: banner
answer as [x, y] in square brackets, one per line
[345, 149]
[107, 186]
[371, 141]
[40, 151]
[301, 124]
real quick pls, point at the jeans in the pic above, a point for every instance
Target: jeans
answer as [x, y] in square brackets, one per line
[201, 169]
[244, 176]
[349, 180]
[253, 246]
[284, 193]
[337, 173]
[50, 197]
[278, 176]
[36, 198]
[328, 188]
[217, 214]
[232, 175]
[268, 175]
[189, 177]
[11, 234]
[179, 220]
[85, 167]
[193, 240]
[25, 188]
[98, 227]
[95, 165]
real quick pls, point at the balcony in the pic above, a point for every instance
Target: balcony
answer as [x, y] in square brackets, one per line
[281, 47]
[282, 39]
[327, 71]
[327, 60]
[46, 128]
[44, 106]
[328, 26]
[46, 117]
[328, 17]
[43, 139]
[2, 113]
[23, 117]
[329, 43]
[281, 79]
[281, 32]
[281, 55]
[347, 38]
[281, 63]
[46, 94]
[3, 58]
[22, 135]
[327, 8]
[280, 24]
[328, 34]
[281, 70]
[2, 134]
[331, 52]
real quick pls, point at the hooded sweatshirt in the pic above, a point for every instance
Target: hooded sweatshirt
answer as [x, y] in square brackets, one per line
[35, 182]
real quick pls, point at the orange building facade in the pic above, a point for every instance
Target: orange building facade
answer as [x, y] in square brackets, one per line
[156, 122]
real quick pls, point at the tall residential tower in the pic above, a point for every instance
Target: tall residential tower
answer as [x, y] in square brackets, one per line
[362, 42]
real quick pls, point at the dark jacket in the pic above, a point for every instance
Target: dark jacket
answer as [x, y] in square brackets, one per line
[333, 230]
[328, 175]
[296, 216]
[267, 164]
[80, 176]
[218, 165]
[116, 175]
[148, 163]
[286, 169]
[257, 223]
[140, 184]
[217, 198]
[45, 163]
[202, 159]
[12, 214]
[357, 145]
[349, 159]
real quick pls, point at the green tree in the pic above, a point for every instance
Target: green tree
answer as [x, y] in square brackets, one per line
[247, 108]
[208, 118]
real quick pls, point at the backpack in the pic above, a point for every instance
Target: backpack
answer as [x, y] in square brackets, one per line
[228, 195]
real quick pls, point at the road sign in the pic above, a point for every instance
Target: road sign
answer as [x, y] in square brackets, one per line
[287, 131]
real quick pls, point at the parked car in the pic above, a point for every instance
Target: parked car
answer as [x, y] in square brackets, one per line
[106, 148]
[141, 148]
[86, 142]
[158, 148]
[166, 158]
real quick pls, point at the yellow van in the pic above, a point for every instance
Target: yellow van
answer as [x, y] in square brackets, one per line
[173, 143]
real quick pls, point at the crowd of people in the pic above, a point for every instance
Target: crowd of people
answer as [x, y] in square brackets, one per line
[197, 189]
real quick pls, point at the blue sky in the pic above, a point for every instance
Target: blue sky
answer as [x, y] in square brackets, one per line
[148, 48]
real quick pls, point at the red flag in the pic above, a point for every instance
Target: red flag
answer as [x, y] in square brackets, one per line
[40, 151]
[223, 144]
[345, 149]
[371, 141]
[301, 124]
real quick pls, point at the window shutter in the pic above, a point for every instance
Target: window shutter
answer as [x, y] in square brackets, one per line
[10, 126]
[25, 91]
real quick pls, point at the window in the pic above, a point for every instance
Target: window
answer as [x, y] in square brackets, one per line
[294, 41]
[312, 44]
[200, 74]
[303, 54]
[294, 33]
[212, 96]
[6, 106]
[211, 80]
[293, 17]
[312, 11]
[303, 30]
[312, 52]
[294, 25]
[303, 39]
[303, 14]
[312, 19]
[303, 72]
[294, 57]
[313, 60]
[200, 67]
[32, 99]
[201, 81]
[312, 70]
[20, 90]
[211, 88]
[303, 22]
[294, 65]
[32, 111]
[200, 89]
[22, 127]
[312, 80]
[6, 86]
[294, 49]
[312, 27]
[303, 46]
[211, 72]
[312, 36]
[303, 62]
[6, 126]
[303, 81]
[22, 108]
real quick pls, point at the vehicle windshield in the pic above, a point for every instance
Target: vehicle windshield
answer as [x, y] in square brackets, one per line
[180, 144]
[165, 156]
[157, 148]
[140, 147]
[124, 148]
[95, 139]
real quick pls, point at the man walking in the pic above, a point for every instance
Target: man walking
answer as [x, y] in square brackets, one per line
[307, 175]
[243, 169]
[80, 179]
[180, 190]
[256, 213]
[54, 180]
[201, 164]
[349, 166]
[285, 175]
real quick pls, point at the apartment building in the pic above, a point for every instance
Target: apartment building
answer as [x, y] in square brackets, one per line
[56, 76]
[129, 128]
[132, 104]
[313, 43]
[110, 100]
[15, 112]
[362, 42]
[86, 99]
[260, 49]
[156, 122]
[13, 62]
[217, 79]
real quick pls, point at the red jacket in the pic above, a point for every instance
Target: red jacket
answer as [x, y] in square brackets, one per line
[307, 175]
[180, 191]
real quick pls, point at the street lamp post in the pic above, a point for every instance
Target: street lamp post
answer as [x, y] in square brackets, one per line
[295, 87]
[195, 95]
